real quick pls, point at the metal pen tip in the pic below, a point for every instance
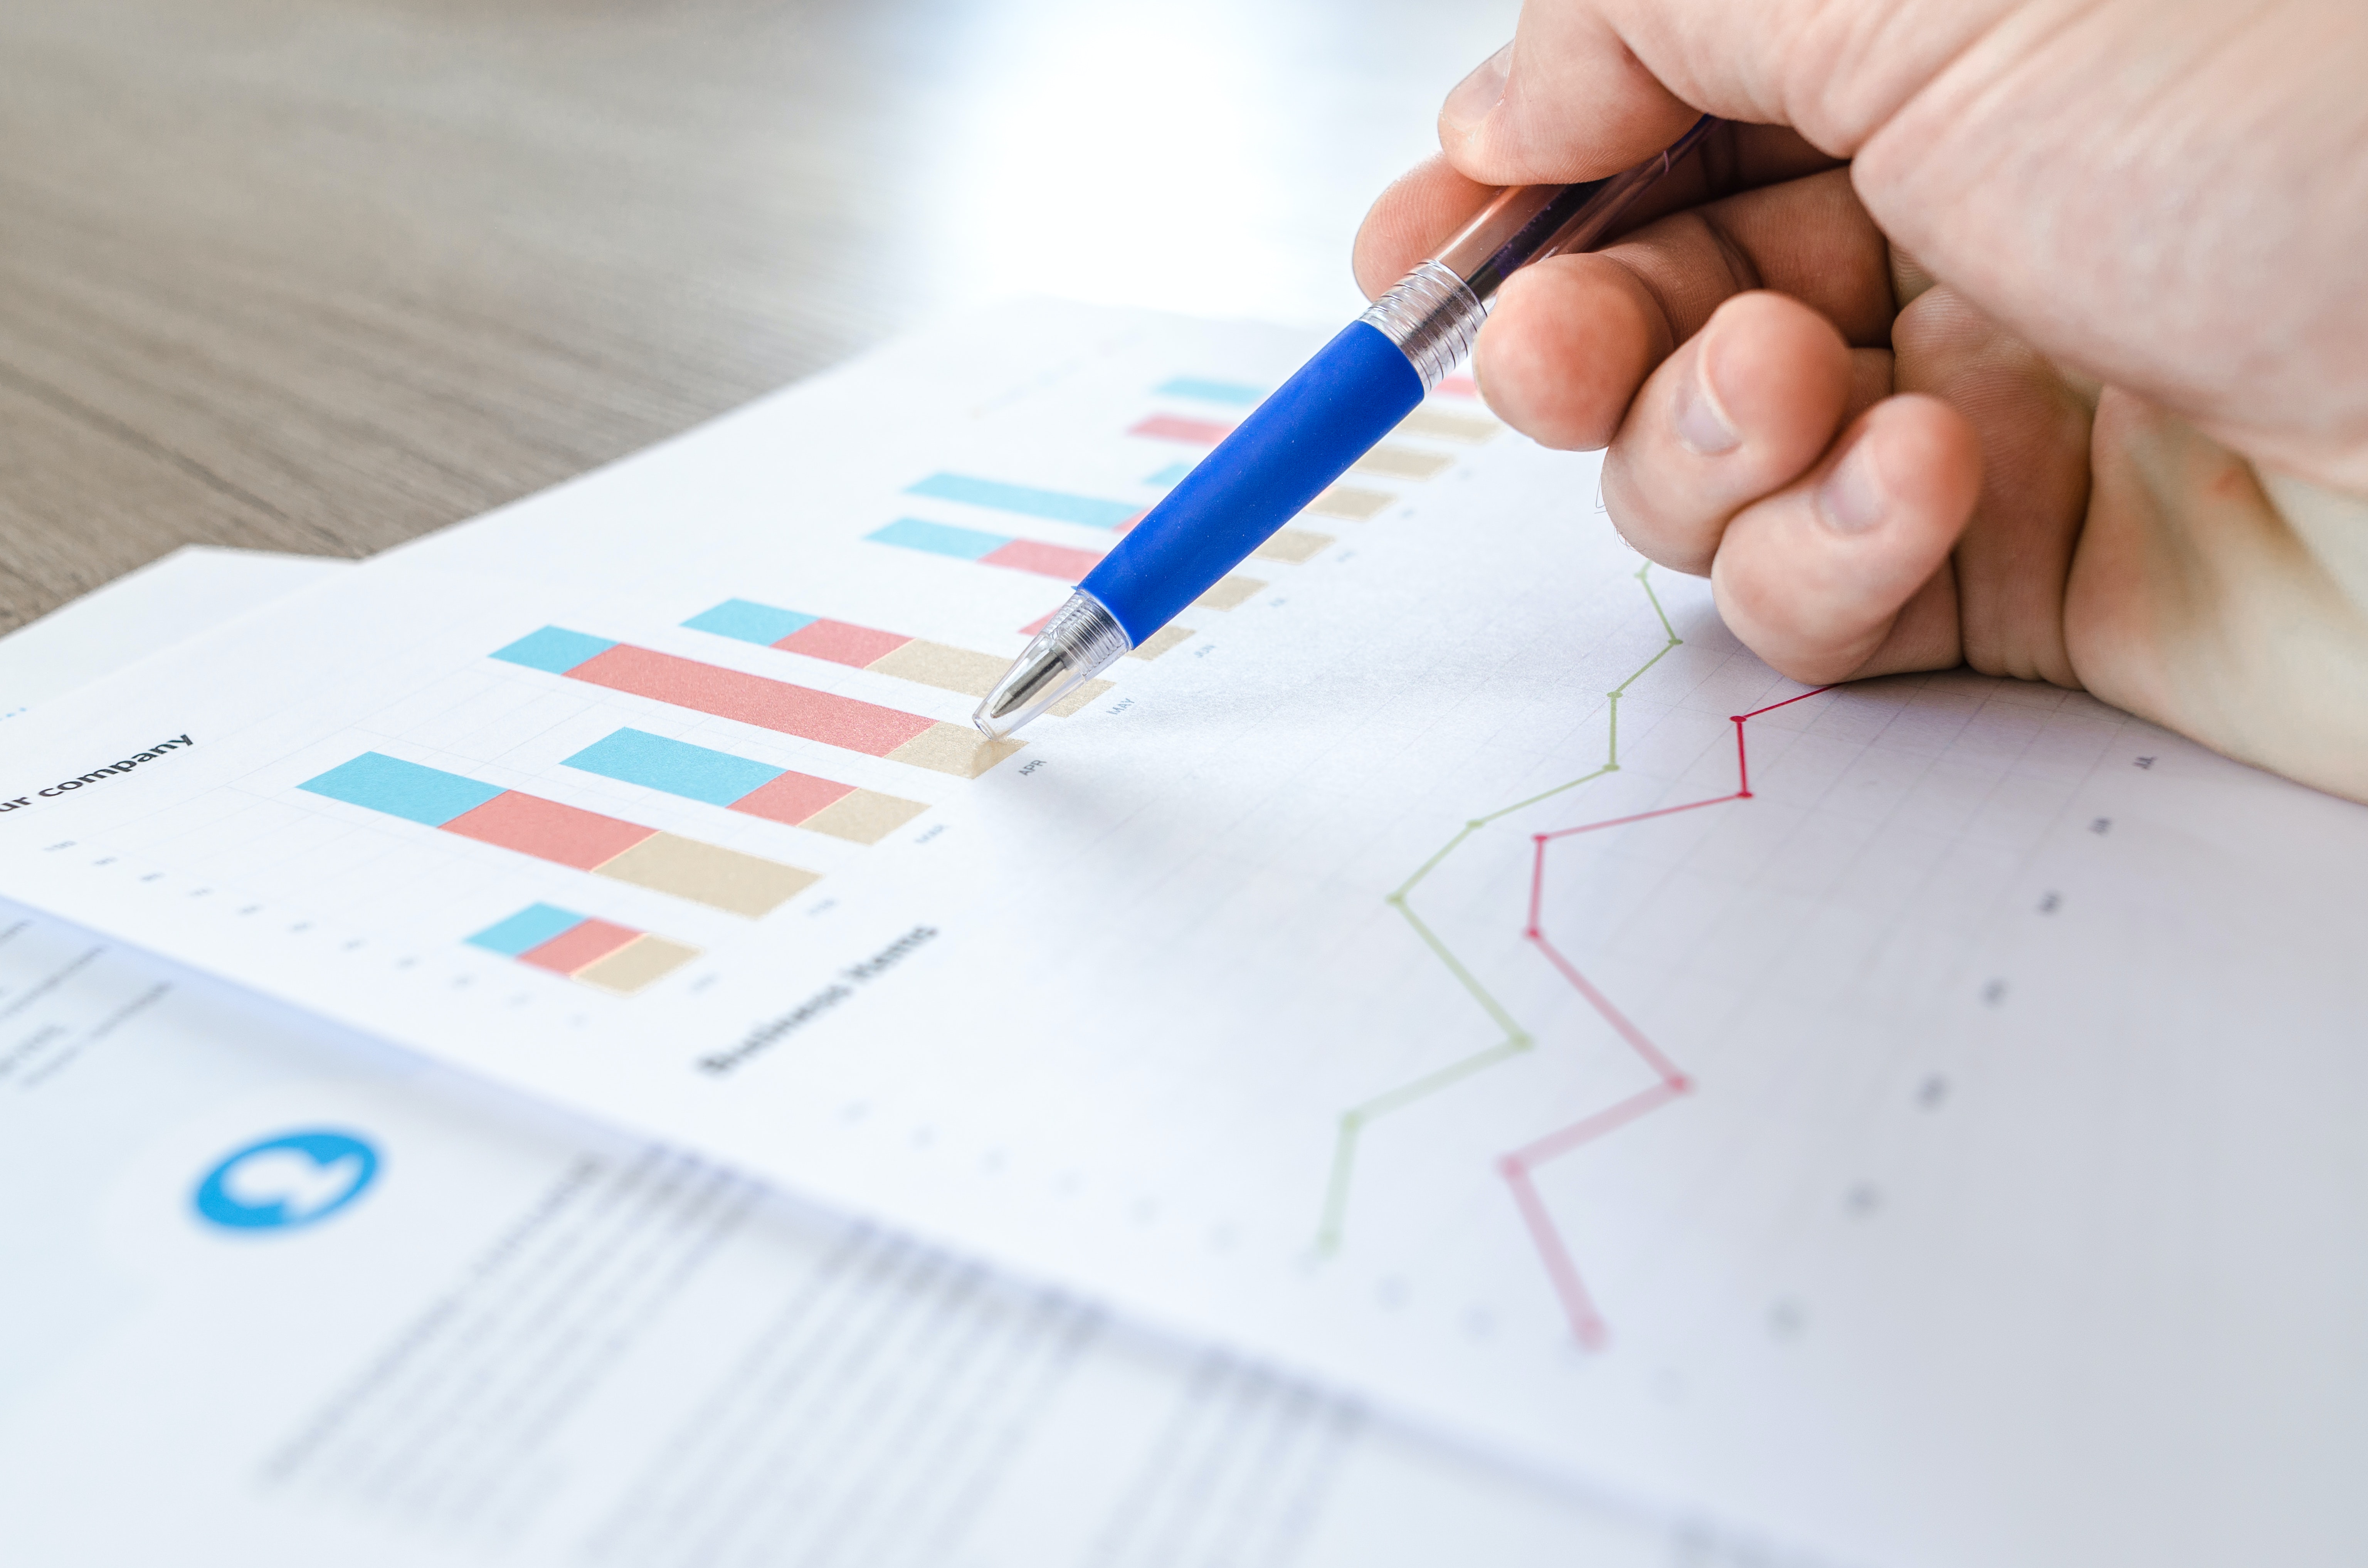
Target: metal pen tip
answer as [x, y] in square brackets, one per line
[1013, 701]
[1080, 642]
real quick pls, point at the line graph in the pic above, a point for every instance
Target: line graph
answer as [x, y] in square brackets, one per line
[1518, 1165]
[1577, 1302]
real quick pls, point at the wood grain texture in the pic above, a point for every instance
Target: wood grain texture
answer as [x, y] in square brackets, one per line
[321, 275]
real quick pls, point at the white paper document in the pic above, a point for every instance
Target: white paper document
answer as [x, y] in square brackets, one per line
[199, 1189]
[1917, 1117]
[277, 1295]
[193, 590]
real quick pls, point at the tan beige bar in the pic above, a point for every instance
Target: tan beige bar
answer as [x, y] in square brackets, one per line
[1348, 500]
[1078, 700]
[863, 817]
[1441, 426]
[709, 873]
[1292, 545]
[947, 669]
[954, 748]
[1228, 593]
[1402, 462]
[643, 961]
[1161, 641]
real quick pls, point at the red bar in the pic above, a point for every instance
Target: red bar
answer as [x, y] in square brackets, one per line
[1045, 560]
[1460, 386]
[580, 947]
[1172, 427]
[548, 830]
[841, 643]
[792, 798]
[752, 699]
[1038, 624]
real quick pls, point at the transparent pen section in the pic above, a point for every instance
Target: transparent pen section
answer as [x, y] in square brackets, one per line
[1080, 642]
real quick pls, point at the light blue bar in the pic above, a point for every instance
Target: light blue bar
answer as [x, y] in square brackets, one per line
[677, 768]
[1169, 475]
[1050, 504]
[528, 929]
[1233, 393]
[963, 544]
[750, 621]
[554, 649]
[381, 783]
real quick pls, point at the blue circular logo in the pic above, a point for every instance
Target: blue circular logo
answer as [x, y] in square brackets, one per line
[288, 1181]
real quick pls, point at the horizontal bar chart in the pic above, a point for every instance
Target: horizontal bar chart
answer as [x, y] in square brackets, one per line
[752, 788]
[1053, 506]
[962, 670]
[599, 952]
[1052, 560]
[564, 835]
[777, 705]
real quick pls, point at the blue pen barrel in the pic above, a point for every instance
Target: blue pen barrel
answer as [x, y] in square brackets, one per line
[1298, 441]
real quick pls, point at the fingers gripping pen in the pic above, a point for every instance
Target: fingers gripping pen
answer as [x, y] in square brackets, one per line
[1298, 441]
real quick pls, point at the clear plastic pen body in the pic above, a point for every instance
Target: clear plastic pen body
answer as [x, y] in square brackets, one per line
[1523, 224]
[1303, 437]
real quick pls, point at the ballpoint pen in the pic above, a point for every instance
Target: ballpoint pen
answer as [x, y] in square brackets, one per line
[1329, 413]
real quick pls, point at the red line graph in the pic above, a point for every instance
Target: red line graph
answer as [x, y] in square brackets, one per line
[1519, 1166]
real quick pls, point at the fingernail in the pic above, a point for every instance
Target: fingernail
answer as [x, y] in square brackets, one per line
[1469, 103]
[1851, 497]
[1701, 424]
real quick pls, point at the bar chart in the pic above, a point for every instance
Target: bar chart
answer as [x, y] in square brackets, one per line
[778, 705]
[562, 835]
[600, 953]
[962, 670]
[1389, 936]
[753, 789]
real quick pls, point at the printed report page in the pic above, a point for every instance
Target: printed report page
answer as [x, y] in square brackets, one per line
[1444, 963]
[277, 1292]
[215, 1208]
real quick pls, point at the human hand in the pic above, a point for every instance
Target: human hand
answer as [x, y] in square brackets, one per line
[2030, 337]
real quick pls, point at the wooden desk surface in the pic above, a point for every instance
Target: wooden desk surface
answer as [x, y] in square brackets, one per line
[322, 276]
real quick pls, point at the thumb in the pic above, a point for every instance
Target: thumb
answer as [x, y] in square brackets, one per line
[1565, 101]
[1588, 88]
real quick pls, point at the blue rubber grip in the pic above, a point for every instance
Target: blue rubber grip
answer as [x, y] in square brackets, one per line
[1280, 457]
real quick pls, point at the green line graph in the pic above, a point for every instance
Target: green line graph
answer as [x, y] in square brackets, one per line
[1517, 1040]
